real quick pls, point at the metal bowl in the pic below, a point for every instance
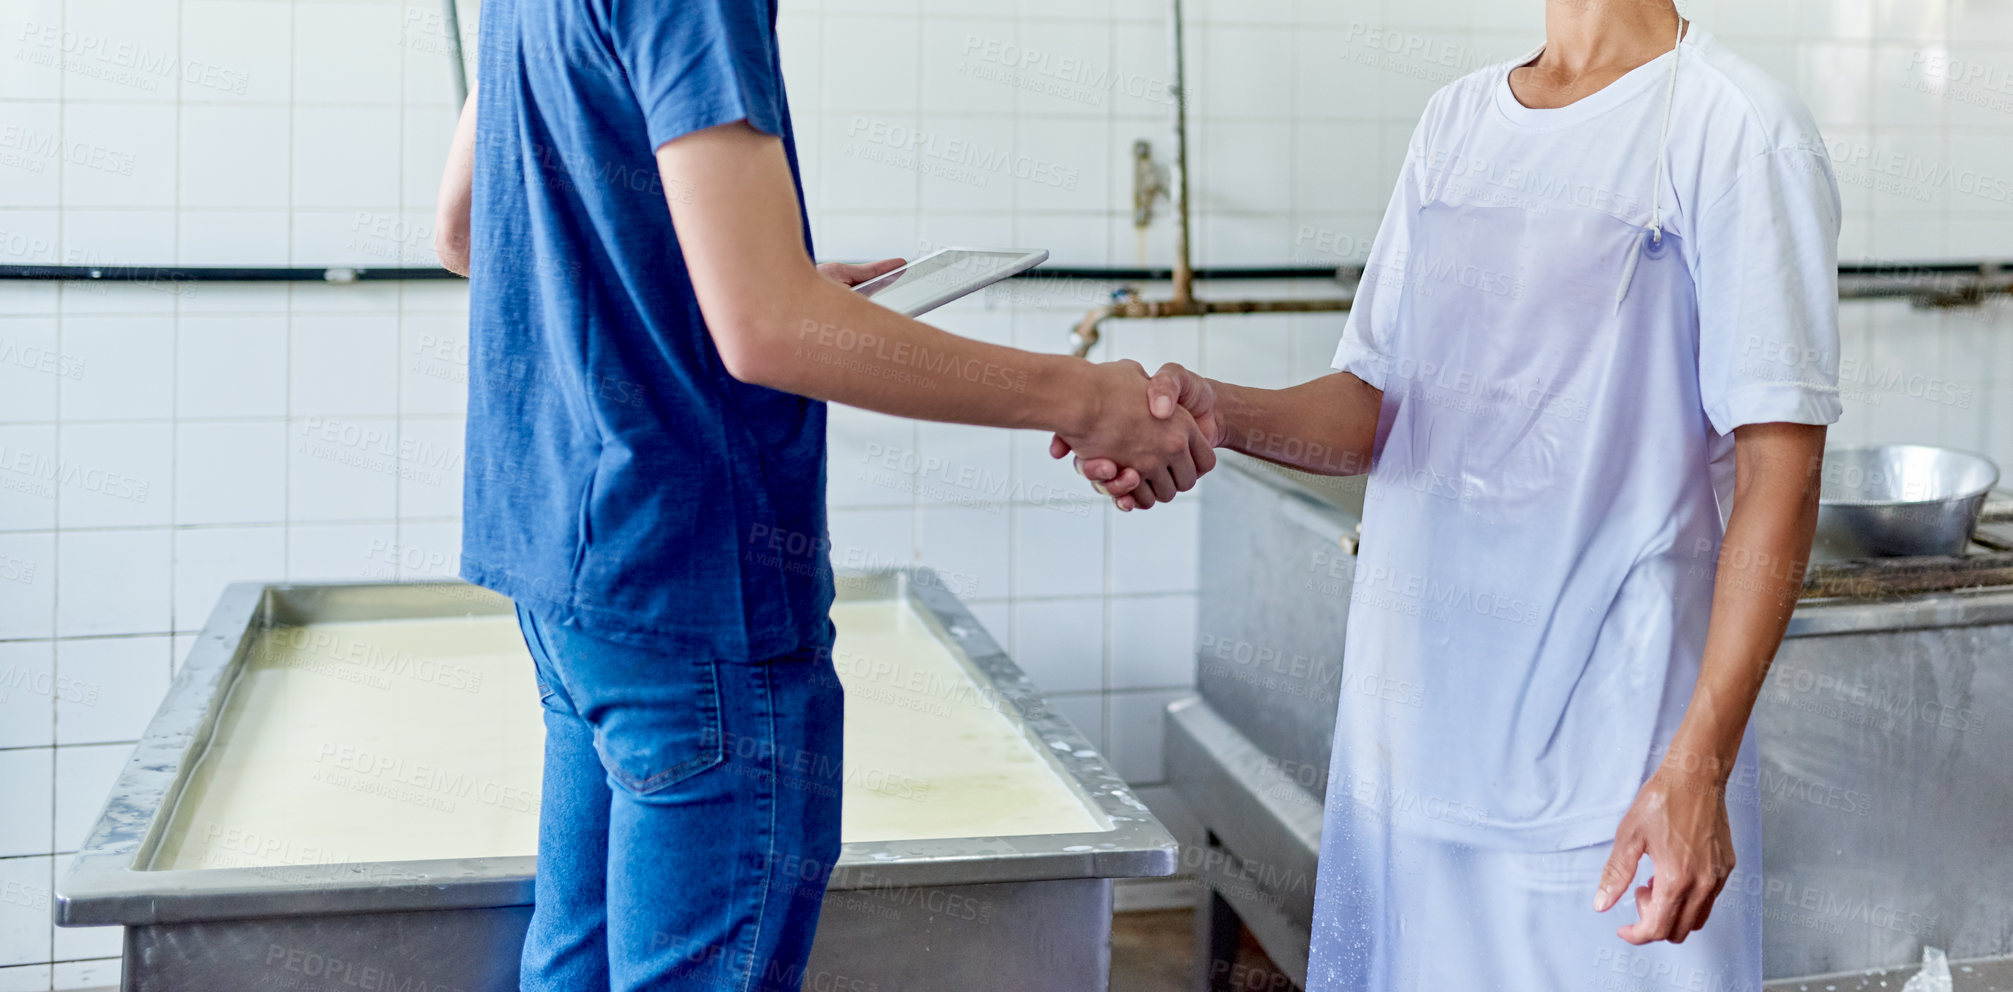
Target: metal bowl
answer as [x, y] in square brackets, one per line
[1900, 499]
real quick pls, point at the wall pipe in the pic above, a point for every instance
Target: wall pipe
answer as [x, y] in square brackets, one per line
[175, 274]
[1938, 285]
[1929, 284]
[1184, 270]
[453, 16]
[1126, 304]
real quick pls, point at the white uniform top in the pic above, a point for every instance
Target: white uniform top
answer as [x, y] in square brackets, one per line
[1553, 463]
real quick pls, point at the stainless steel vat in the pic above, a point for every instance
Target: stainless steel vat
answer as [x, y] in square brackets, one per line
[1886, 732]
[975, 913]
[1900, 499]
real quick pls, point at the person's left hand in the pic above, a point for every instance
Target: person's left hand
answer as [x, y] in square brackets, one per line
[1679, 820]
[849, 275]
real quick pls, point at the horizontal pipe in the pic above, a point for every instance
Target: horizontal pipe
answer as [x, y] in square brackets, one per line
[1151, 274]
[1931, 282]
[201, 273]
[1857, 281]
[1129, 307]
[211, 273]
[1928, 284]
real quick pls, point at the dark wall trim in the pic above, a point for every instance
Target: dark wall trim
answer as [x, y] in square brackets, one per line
[200, 273]
[345, 273]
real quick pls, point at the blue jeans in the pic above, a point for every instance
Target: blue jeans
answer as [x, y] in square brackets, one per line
[690, 816]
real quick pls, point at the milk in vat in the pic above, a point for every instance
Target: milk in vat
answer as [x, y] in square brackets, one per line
[406, 740]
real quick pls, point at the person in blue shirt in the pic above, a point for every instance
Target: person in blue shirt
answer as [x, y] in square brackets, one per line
[650, 346]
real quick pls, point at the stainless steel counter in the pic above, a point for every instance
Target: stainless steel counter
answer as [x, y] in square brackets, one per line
[1886, 730]
[967, 913]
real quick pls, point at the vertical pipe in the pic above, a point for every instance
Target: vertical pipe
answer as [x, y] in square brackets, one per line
[454, 52]
[1184, 273]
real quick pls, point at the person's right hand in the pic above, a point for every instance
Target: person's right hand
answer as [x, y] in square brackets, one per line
[1161, 446]
[1172, 388]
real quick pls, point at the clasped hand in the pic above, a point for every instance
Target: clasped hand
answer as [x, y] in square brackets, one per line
[1153, 437]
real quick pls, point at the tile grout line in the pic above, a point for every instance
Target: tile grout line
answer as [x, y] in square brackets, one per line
[287, 362]
[175, 356]
[398, 318]
[56, 508]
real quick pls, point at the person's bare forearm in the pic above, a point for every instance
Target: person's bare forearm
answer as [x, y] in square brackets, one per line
[1760, 574]
[1327, 426]
[777, 322]
[827, 342]
[457, 180]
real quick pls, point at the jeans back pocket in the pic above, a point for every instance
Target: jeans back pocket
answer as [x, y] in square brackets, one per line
[656, 738]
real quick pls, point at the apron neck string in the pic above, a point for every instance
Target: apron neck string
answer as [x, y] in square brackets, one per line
[1663, 139]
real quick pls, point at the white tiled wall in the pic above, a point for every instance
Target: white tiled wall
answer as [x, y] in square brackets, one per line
[157, 442]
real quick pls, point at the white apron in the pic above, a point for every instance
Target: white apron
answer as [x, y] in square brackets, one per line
[1537, 565]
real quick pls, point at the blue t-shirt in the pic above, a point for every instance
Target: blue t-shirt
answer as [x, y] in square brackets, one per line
[618, 478]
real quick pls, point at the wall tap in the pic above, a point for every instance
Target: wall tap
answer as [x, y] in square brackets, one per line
[1148, 184]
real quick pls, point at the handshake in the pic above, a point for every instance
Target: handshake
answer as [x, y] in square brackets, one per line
[1147, 438]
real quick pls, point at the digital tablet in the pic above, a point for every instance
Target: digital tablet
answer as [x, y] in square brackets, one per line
[940, 277]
